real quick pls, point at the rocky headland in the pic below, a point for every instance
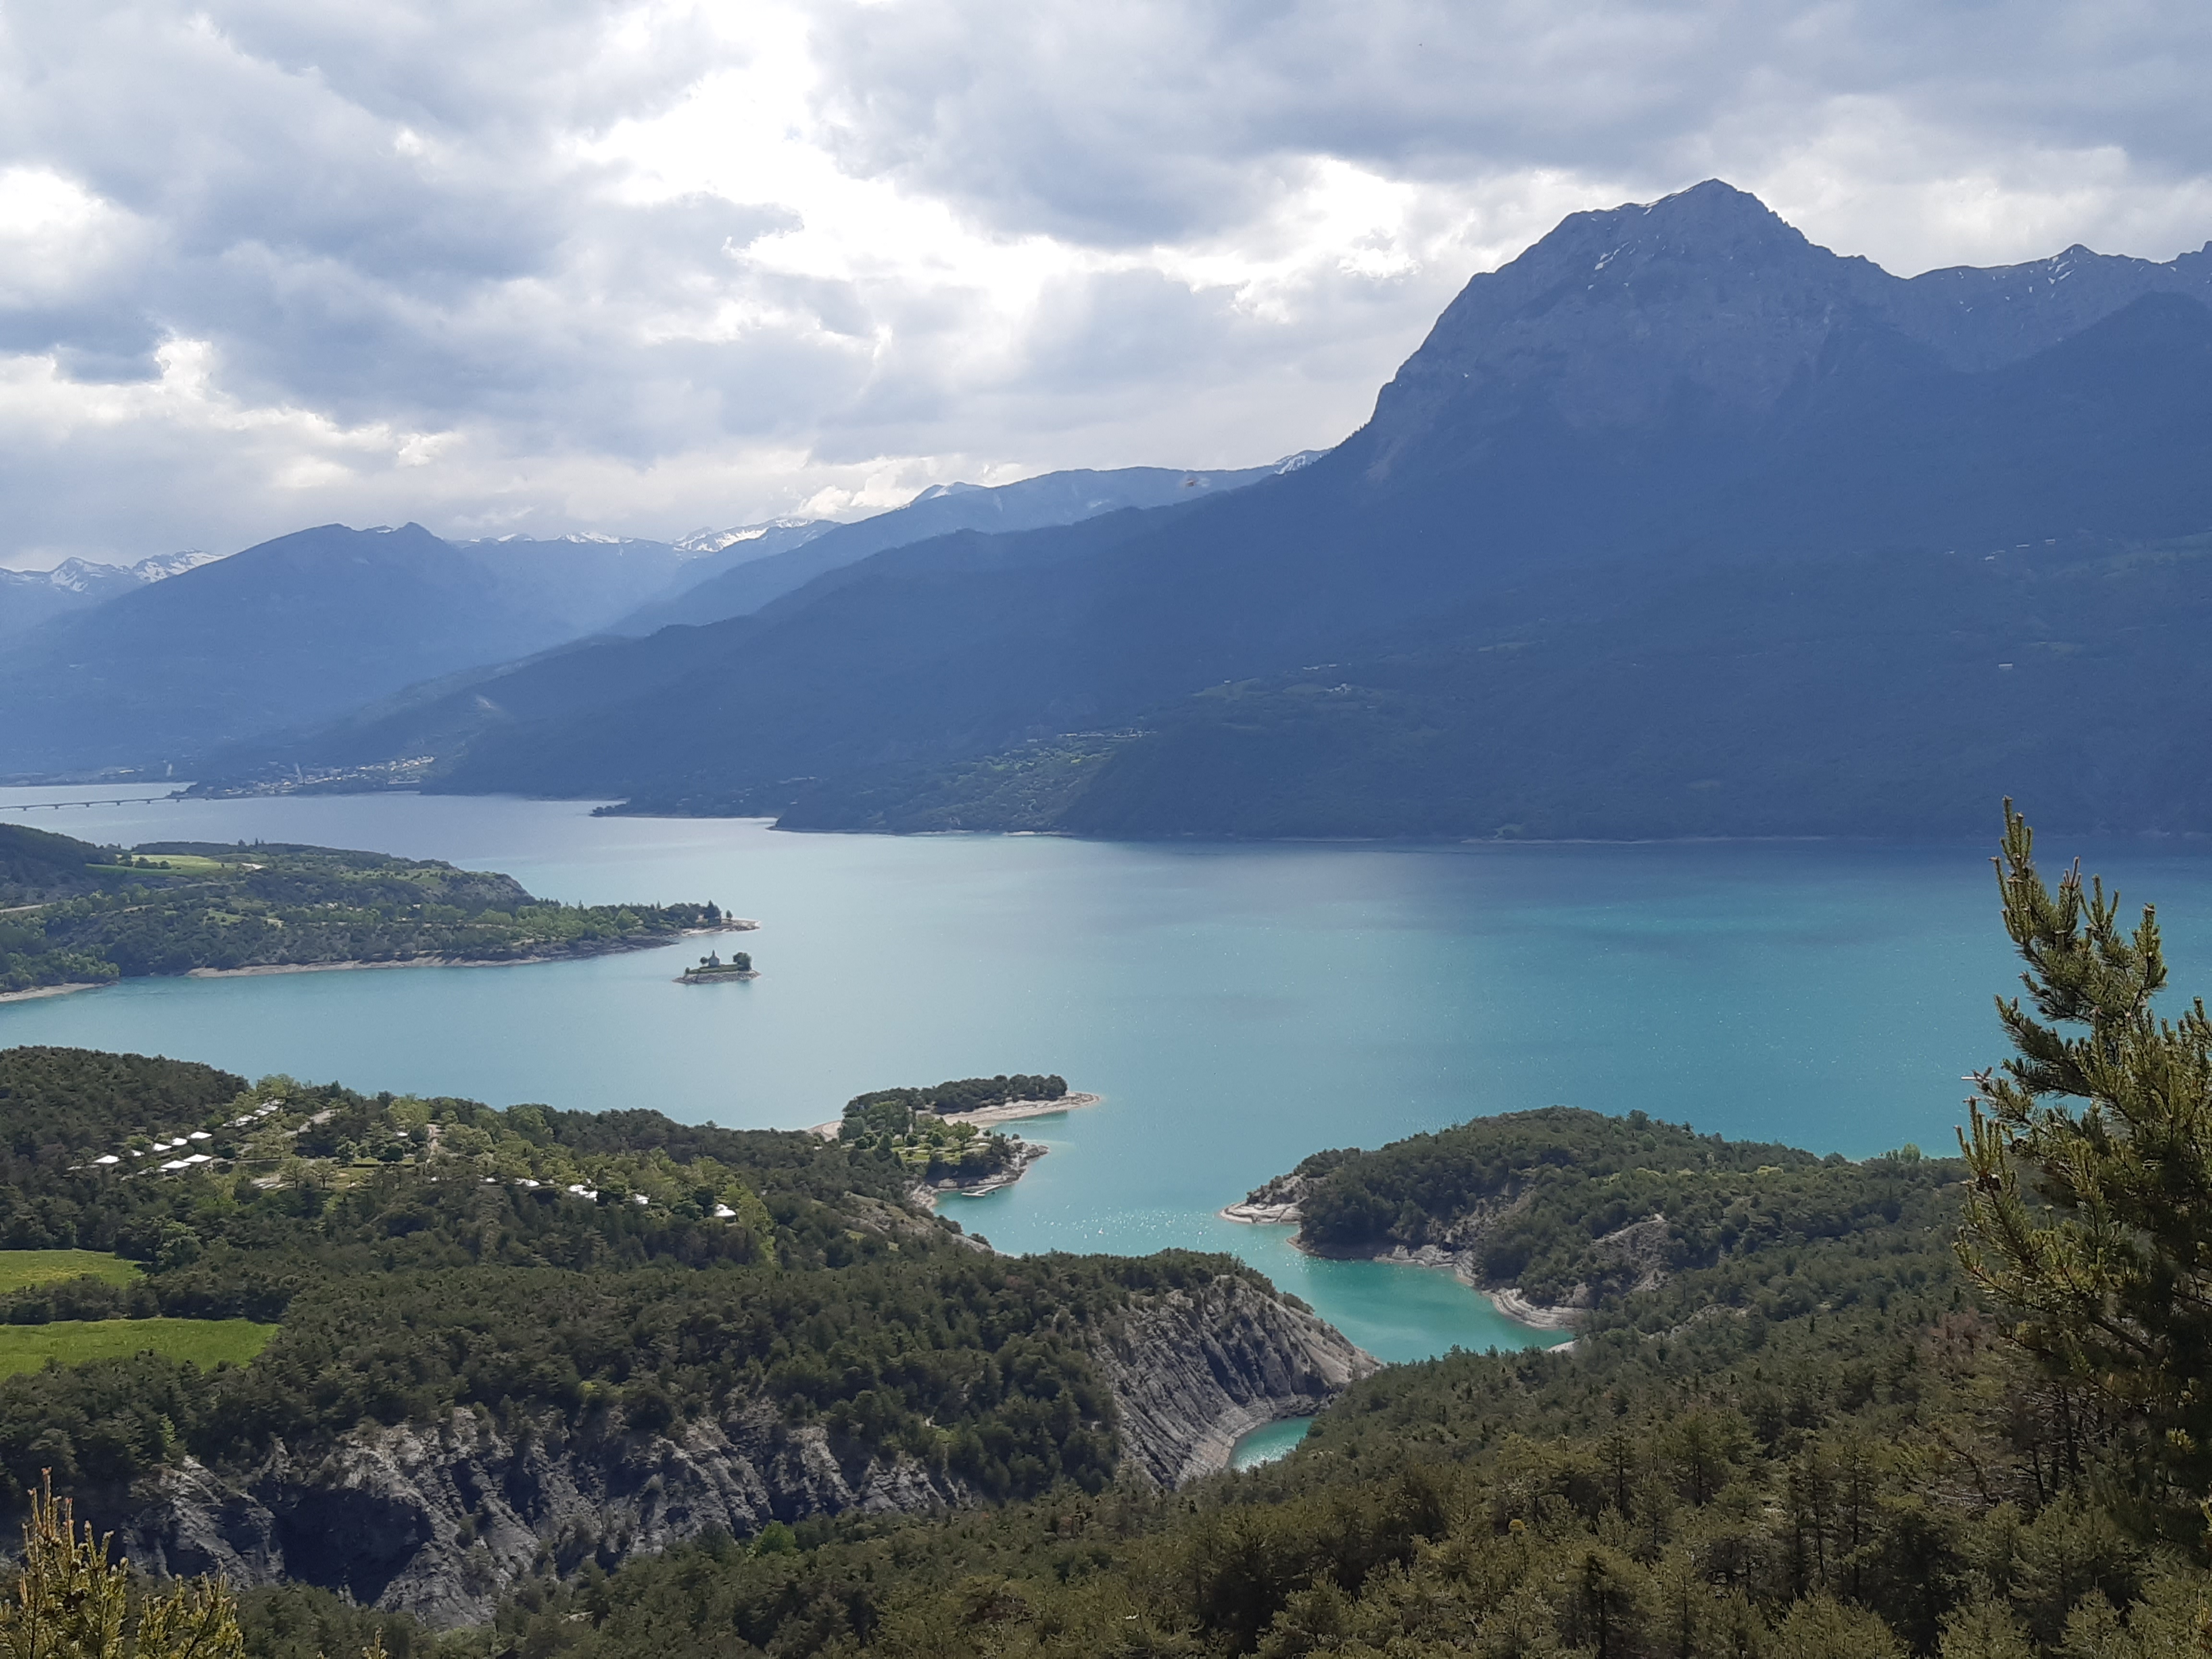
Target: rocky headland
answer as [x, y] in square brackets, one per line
[1020, 1154]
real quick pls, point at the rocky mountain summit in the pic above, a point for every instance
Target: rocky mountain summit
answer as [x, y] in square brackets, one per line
[1709, 298]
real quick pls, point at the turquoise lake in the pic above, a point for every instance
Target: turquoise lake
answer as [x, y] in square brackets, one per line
[1238, 1007]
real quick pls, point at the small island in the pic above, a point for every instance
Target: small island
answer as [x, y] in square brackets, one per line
[713, 970]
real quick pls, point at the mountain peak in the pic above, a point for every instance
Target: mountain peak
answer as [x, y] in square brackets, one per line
[1619, 314]
[1712, 222]
[1710, 215]
[1708, 301]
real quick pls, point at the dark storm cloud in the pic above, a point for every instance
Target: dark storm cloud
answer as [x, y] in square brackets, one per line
[1142, 122]
[547, 265]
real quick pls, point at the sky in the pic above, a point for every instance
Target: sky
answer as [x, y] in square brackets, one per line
[543, 266]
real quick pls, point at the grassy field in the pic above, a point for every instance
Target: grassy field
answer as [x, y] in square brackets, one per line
[205, 1342]
[175, 863]
[21, 1268]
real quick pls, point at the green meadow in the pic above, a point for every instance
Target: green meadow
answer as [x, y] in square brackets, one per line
[21, 1269]
[205, 1342]
[177, 864]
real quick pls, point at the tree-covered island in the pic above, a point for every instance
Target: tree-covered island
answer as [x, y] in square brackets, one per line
[75, 913]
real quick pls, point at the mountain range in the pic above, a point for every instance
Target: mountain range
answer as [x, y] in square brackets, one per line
[104, 670]
[29, 597]
[1678, 524]
[1054, 498]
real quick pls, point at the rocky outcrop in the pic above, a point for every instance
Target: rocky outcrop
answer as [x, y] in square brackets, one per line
[1195, 1370]
[1020, 1154]
[439, 1520]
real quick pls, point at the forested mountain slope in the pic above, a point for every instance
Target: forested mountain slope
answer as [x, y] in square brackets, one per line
[514, 1343]
[1683, 410]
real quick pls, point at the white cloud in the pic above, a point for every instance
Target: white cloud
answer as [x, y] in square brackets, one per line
[643, 266]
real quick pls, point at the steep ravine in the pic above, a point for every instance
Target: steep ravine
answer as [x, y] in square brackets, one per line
[438, 1520]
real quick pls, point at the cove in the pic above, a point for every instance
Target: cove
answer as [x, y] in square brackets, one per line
[1239, 1006]
[1269, 1442]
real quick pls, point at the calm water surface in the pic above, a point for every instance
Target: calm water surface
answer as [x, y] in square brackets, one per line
[1238, 1007]
[1268, 1443]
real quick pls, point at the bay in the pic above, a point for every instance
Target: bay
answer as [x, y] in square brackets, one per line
[1238, 1007]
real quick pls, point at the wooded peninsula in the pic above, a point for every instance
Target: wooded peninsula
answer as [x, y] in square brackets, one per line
[75, 913]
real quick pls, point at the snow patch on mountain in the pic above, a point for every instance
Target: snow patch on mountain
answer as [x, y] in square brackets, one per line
[705, 540]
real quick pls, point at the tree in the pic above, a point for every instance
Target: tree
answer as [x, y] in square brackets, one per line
[70, 1601]
[2089, 1217]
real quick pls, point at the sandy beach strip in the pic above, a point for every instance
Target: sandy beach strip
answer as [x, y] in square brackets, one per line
[37, 991]
[1011, 1112]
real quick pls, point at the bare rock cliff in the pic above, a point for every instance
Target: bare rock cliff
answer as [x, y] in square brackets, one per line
[1193, 1371]
[440, 1519]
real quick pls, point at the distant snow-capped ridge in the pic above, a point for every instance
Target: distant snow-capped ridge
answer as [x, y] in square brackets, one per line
[86, 576]
[1192, 478]
[705, 540]
[579, 537]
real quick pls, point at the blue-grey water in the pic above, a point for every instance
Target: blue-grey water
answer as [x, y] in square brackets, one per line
[1238, 1007]
[1268, 1443]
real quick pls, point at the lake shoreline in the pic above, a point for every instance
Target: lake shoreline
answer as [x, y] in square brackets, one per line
[1014, 1111]
[596, 948]
[38, 991]
[926, 1193]
[1508, 1302]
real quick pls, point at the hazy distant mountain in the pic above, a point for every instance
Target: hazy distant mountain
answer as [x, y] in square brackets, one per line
[308, 627]
[1667, 519]
[29, 597]
[583, 582]
[1052, 498]
[303, 628]
[293, 631]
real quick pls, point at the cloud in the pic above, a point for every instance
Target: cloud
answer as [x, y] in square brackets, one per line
[503, 265]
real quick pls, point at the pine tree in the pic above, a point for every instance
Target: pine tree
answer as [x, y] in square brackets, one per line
[2088, 1217]
[71, 1601]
